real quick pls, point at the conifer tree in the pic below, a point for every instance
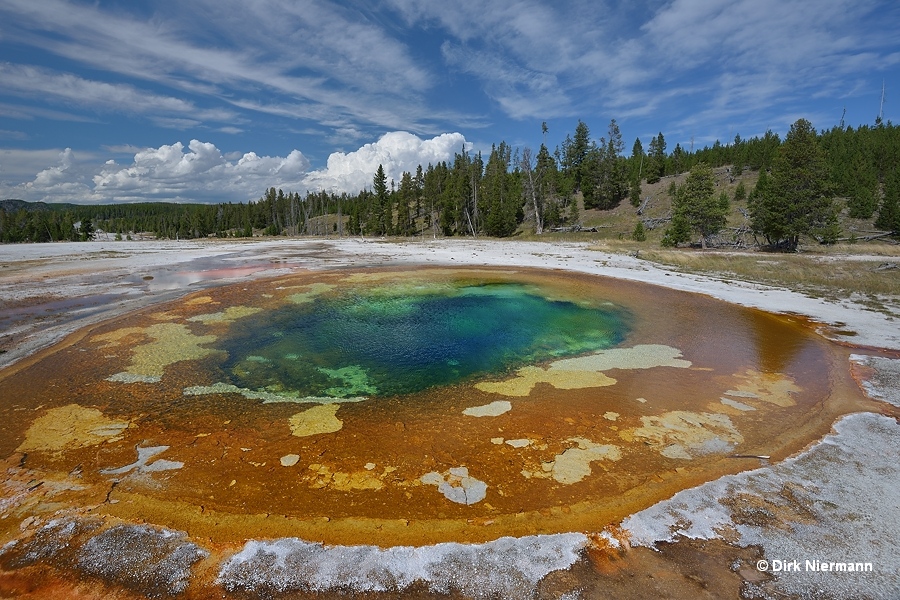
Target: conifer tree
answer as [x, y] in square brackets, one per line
[696, 207]
[575, 153]
[634, 192]
[382, 217]
[639, 234]
[798, 201]
[889, 213]
[638, 159]
[656, 163]
[405, 196]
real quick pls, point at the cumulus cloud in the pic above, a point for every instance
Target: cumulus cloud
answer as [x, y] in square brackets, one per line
[200, 172]
[64, 179]
[397, 152]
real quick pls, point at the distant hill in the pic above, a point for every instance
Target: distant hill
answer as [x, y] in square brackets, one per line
[12, 205]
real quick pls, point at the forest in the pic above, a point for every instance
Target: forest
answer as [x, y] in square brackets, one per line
[804, 181]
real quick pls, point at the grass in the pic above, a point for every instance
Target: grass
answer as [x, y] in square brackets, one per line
[854, 272]
[835, 272]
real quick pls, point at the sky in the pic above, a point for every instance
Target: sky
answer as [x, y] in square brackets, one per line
[217, 100]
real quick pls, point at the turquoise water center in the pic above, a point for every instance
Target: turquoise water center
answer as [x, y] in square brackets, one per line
[358, 341]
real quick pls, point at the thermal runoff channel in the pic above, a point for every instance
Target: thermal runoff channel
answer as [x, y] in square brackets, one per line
[402, 339]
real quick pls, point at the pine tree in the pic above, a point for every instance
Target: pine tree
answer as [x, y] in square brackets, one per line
[656, 163]
[863, 203]
[889, 213]
[500, 193]
[740, 192]
[679, 231]
[696, 206]
[575, 152]
[639, 234]
[605, 175]
[574, 216]
[86, 230]
[405, 196]
[634, 192]
[383, 217]
[798, 201]
[637, 160]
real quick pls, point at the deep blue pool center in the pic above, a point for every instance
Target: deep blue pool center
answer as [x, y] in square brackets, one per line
[389, 340]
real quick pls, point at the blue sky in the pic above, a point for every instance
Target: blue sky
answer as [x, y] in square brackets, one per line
[216, 100]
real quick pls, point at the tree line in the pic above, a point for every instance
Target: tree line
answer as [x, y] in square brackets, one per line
[517, 188]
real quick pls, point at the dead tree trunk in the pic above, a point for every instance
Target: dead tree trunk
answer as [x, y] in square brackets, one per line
[526, 166]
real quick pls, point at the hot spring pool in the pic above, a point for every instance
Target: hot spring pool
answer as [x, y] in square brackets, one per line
[410, 407]
[391, 339]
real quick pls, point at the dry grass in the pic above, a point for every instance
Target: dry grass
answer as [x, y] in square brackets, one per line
[836, 272]
[870, 273]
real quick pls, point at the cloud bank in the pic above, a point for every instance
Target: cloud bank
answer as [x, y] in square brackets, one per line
[397, 152]
[200, 172]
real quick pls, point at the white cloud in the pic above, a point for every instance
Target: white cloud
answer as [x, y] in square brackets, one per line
[521, 92]
[7, 134]
[199, 173]
[312, 59]
[540, 59]
[397, 152]
[36, 82]
[202, 173]
[63, 180]
[20, 165]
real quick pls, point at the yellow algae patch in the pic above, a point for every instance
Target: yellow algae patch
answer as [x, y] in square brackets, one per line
[343, 481]
[683, 434]
[164, 316]
[199, 300]
[574, 464]
[735, 404]
[267, 397]
[69, 427]
[114, 338]
[586, 371]
[316, 420]
[494, 409]
[357, 480]
[528, 377]
[172, 342]
[312, 290]
[226, 316]
[610, 415]
[367, 277]
[643, 356]
[772, 388]
[468, 273]
[725, 408]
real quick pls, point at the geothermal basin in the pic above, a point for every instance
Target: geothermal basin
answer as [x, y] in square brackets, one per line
[399, 407]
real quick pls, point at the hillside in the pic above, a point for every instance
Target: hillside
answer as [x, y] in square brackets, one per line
[619, 223]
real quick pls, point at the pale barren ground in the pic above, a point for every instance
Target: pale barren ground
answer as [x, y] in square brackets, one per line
[837, 501]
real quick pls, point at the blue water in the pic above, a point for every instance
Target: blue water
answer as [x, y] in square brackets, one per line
[376, 342]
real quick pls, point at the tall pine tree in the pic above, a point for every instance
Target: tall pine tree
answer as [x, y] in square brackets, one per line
[798, 200]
